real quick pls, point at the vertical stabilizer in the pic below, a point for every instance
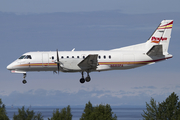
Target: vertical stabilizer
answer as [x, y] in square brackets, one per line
[161, 36]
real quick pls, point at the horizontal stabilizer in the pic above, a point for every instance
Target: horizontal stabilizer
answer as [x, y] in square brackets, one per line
[90, 62]
[155, 50]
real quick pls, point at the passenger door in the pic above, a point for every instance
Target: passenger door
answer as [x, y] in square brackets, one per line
[45, 59]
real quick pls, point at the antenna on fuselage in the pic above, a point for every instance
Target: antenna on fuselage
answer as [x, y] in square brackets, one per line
[73, 49]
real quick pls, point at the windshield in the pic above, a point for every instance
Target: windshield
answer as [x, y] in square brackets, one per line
[25, 57]
[22, 57]
[28, 57]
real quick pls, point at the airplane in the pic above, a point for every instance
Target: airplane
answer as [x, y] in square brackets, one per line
[155, 49]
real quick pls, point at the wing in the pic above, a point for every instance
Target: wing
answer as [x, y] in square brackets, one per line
[90, 62]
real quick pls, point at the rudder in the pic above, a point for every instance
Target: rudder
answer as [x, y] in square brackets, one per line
[161, 36]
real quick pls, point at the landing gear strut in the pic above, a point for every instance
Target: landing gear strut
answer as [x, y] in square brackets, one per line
[87, 79]
[24, 76]
[82, 80]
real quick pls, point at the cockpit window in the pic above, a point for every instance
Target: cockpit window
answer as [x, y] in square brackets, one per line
[25, 57]
[28, 57]
[22, 57]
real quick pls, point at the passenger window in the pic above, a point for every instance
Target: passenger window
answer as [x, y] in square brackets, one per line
[83, 57]
[99, 57]
[104, 57]
[62, 57]
[77, 56]
[67, 56]
[52, 57]
[72, 56]
[109, 56]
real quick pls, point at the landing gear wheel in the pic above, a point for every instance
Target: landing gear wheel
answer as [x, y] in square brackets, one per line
[82, 80]
[24, 76]
[24, 81]
[88, 79]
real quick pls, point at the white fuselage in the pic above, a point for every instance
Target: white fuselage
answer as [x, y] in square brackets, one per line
[107, 60]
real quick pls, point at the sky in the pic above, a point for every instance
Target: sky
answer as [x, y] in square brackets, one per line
[43, 25]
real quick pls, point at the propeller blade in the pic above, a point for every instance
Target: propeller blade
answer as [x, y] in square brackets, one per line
[58, 61]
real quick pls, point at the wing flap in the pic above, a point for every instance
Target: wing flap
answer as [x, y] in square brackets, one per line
[90, 62]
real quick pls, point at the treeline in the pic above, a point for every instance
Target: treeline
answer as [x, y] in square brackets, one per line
[99, 112]
[166, 110]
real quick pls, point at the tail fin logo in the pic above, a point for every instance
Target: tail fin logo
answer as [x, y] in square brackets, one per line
[157, 40]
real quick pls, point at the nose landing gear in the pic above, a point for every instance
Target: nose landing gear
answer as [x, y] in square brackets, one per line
[24, 76]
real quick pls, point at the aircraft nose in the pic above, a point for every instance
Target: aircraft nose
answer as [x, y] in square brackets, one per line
[10, 66]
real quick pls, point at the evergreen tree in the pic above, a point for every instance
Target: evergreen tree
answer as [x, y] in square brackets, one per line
[87, 112]
[27, 115]
[64, 114]
[3, 115]
[103, 112]
[170, 108]
[166, 110]
[151, 110]
[100, 112]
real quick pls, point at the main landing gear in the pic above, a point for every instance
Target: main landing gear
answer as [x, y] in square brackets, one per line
[87, 79]
[24, 76]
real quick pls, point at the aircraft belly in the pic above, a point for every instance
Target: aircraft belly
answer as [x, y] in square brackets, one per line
[117, 67]
[130, 66]
[103, 68]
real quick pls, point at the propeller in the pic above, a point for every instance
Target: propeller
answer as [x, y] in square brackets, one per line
[58, 61]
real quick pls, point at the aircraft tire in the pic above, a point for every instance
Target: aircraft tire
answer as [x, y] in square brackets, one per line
[82, 80]
[88, 79]
[24, 81]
